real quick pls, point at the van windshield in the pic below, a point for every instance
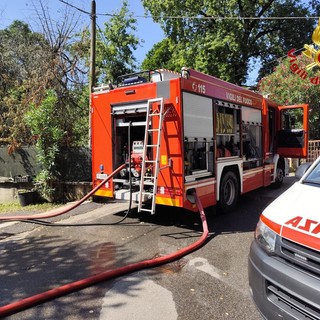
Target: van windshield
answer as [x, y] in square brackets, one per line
[314, 176]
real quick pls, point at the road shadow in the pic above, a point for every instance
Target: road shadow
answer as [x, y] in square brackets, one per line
[250, 205]
[45, 260]
[49, 257]
[242, 219]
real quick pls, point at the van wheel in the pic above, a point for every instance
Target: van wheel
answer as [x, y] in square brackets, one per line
[229, 192]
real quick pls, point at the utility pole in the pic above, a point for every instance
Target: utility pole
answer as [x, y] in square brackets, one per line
[92, 78]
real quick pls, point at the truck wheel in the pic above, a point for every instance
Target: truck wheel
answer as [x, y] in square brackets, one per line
[279, 176]
[229, 192]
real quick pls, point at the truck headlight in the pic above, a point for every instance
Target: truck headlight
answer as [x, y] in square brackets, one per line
[265, 237]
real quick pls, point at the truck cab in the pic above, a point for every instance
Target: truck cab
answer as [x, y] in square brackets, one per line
[284, 259]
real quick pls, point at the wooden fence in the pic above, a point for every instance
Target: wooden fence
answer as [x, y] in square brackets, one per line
[313, 150]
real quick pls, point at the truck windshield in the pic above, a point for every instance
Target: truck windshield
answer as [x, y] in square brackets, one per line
[314, 176]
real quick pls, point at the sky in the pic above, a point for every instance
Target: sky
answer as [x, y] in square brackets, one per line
[147, 30]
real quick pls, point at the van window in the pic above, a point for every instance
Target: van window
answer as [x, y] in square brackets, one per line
[314, 176]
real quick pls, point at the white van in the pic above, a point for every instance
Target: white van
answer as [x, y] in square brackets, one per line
[284, 259]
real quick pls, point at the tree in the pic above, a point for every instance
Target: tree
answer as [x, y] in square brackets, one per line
[45, 125]
[22, 53]
[115, 46]
[33, 62]
[67, 69]
[288, 87]
[221, 38]
[164, 54]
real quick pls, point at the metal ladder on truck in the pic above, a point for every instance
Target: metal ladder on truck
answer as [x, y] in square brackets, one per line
[152, 179]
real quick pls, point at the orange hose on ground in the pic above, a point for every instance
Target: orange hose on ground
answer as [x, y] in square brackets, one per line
[77, 285]
[65, 209]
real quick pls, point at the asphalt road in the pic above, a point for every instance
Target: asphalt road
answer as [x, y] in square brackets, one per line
[210, 283]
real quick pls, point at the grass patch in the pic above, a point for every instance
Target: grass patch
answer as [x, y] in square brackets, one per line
[16, 207]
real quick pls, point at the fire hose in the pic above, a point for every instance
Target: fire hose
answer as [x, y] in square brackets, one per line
[31, 301]
[69, 208]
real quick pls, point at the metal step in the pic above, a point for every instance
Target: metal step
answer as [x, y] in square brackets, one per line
[147, 210]
[124, 194]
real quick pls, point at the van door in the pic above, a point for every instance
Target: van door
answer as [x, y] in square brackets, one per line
[292, 131]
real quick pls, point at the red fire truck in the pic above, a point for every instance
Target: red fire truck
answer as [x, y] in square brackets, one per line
[186, 132]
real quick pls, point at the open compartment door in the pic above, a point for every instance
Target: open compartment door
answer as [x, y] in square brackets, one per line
[292, 133]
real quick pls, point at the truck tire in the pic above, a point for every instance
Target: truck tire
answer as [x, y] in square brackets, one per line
[229, 192]
[279, 175]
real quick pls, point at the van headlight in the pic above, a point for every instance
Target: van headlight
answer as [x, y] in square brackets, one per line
[265, 237]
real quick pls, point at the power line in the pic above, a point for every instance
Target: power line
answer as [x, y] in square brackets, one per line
[284, 56]
[182, 17]
[72, 6]
[211, 18]
[205, 17]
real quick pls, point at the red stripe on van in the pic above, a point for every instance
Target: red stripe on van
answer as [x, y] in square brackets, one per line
[301, 238]
[272, 225]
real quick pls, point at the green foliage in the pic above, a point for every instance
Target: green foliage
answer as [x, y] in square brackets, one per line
[115, 46]
[77, 118]
[287, 88]
[225, 47]
[22, 54]
[165, 54]
[57, 59]
[56, 123]
[159, 56]
[16, 207]
[46, 127]
[29, 66]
